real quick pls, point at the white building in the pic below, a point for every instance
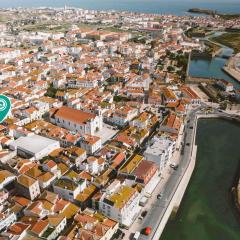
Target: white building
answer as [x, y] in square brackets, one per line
[6, 177]
[120, 202]
[77, 120]
[122, 115]
[225, 85]
[91, 143]
[160, 151]
[9, 53]
[93, 165]
[68, 189]
[34, 146]
[7, 219]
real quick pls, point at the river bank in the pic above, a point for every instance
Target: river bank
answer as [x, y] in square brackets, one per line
[229, 39]
[203, 214]
[214, 67]
[232, 68]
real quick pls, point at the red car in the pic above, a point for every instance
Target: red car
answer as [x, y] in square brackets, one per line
[148, 230]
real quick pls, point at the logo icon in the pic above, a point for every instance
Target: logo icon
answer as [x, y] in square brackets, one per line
[5, 107]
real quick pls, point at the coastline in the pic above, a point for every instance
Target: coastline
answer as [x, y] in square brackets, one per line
[235, 193]
[153, 6]
[229, 68]
[175, 201]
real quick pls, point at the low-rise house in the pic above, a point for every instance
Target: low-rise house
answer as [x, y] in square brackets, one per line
[93, 165]
[27, 187]
[143, 120]
[17, 230]
[6, 178]
[72, 156]
[168, 95]
[172, 124]
[36, 209]
[191, 95]
[121, 116]
[90, 144]
[69, 189]
[146, 173]
[6, 219]
[92, 225]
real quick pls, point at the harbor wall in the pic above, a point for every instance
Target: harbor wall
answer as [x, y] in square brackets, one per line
[184, 181]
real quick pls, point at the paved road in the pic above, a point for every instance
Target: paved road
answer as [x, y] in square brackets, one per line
[169, 183]
[167, 186]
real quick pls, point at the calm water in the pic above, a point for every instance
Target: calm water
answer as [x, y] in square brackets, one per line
[206, 212]
[211, 69]
[177, 7]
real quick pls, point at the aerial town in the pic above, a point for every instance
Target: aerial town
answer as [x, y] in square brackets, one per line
[102, 119]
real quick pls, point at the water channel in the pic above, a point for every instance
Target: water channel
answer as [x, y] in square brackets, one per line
[212, 68]
[207, 211]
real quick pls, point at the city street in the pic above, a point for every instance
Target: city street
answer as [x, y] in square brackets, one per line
[153, 200]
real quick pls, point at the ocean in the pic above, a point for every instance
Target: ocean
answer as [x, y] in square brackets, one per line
[175, 7]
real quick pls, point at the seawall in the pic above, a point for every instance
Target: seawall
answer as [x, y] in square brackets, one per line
[184, 181]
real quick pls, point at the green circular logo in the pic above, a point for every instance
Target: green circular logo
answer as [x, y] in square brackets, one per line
[5, 107]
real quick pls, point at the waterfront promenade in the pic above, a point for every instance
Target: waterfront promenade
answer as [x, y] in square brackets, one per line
[232, 67]
[178, 181]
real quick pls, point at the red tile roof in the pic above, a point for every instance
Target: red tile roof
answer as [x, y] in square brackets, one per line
[73, 115]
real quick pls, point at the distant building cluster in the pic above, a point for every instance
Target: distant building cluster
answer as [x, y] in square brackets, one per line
[96, 118]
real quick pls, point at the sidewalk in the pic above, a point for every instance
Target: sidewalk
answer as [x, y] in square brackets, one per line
[137, 224]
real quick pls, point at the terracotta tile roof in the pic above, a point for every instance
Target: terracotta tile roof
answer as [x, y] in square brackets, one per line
[118, 159]
[18, 228]
[25, 180]
[4, 174]
[21, 200]
[145, 170]
[49, 196]
[39, 227]
[73, 115]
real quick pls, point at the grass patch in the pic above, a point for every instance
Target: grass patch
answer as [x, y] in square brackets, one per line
[230, 39]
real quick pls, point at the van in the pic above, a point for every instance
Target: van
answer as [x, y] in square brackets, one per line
[136, 235]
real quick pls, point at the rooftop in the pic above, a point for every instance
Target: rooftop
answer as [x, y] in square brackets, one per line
[73, 115]
[122, 196]
[33, 143]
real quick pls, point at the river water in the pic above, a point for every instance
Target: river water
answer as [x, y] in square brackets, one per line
[206, 212]
[213, 68]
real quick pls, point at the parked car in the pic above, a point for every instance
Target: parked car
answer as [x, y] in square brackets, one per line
[136, 235]
[144, 213]
[172, 165]
[159, 196]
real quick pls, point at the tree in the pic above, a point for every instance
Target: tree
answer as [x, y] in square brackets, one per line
[170, 69]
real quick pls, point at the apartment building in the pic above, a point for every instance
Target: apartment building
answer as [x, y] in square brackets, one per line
[120, 202]
[160, 151]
